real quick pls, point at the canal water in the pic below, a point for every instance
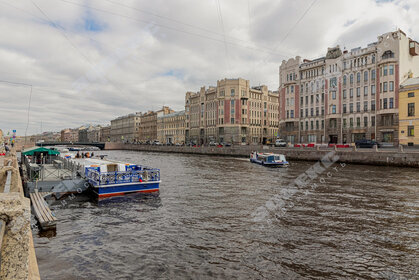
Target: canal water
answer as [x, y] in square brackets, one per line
[356, 222]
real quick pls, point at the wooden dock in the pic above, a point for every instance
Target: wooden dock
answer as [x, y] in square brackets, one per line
[46, 218]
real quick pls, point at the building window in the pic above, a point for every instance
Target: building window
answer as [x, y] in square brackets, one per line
[365, 91]
[351, 93]
[373, 90]
[344, 123]
[411, 94]
[385, 87]
[385, 70]
[373, 58]
[351, 122]
[233, 92]
[351, 107]
[358, 92]
[312, 112]
[391, 103]
[333, 95]
[358, 107]
[344, 108]
[385, 103]
[292, 89]
[365, 106]
[344, 80]
[410, 130]
[358, 122]
[372, 105]
[358, 77]
[292, 114]
[317, 124]
[333, 109]
[373, 75]
[222, 92]
[306, 125]
[311, 125]
[372, 121]
[232, 120]
[243, 92]
[365, 121]
[317, 111]
[302, 100]
[411, 109]
[322, 124]
[391, 86]
[351, 79]
[365, 76]
[301, 113]
[344, 94]
[391, 70]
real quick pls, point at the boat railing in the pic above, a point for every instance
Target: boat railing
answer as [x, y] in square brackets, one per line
[97, 178]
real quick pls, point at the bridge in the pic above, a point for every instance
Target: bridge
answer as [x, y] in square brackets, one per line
[100, 145]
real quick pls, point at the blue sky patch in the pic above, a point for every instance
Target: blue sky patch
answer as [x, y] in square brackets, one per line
[91, 24]
[173, 73]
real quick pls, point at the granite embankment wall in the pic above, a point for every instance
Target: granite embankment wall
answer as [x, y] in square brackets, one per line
[17, 252]
[360, 156]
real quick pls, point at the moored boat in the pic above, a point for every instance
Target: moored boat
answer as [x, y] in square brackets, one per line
[269, 159]
[112, 178]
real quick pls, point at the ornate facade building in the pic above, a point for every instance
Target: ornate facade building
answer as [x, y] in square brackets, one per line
[346, 96]
[231, 112]
[171, 128]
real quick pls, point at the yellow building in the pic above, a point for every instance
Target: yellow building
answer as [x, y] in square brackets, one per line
[409, 112]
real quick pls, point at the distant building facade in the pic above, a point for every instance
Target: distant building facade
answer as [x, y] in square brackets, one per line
[346, 96]
[231, 112]
[409, 112]
[148, 124]
[125, 128]
[105, 134]
[171, 128]
[93, 133]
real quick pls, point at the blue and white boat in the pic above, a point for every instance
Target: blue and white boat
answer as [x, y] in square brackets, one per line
[269, 159]
[112, 178]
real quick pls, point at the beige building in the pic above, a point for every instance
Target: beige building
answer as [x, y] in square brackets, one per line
[231, 112]
[93, 133]
[346, 96]
[171, 128]
[148, 124]
[105, 134]
[125, 129]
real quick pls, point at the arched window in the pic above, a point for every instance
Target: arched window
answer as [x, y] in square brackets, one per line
[344, 80]
[351, 78]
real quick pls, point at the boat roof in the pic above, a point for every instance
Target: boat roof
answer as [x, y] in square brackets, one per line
[33, 150]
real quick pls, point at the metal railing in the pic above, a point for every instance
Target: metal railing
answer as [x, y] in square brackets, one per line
[97, 178]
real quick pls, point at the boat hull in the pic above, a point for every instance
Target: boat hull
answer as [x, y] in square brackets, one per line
[270, 164]
[122, 189]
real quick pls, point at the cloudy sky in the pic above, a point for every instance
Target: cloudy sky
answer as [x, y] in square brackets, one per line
[88, 61]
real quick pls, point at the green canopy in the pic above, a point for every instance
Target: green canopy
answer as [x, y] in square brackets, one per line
[33, 150]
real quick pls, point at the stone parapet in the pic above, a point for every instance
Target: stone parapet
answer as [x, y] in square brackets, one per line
[388, 157]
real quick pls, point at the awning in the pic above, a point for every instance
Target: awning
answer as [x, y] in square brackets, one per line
[33, 150]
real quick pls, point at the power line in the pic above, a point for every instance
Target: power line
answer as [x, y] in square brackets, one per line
[171, 28]
[180, 22]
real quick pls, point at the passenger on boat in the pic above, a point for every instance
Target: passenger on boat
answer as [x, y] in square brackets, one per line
[78, 155]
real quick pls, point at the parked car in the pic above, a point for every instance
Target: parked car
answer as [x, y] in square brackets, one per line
[213, 143]
[280, 143]
[156, 142]
[364, 143]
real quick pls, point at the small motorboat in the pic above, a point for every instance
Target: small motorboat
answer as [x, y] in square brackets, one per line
[269, 159]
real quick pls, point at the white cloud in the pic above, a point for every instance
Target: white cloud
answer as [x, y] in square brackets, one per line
[129, 67]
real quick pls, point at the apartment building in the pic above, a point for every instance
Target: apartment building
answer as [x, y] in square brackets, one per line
[171, 128]
[105, 133]
[125, 128]
[409, 112]
[346, 96]
[231, 112]
[148, 124]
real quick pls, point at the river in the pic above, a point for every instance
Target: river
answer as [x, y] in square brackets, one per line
[358, 222]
